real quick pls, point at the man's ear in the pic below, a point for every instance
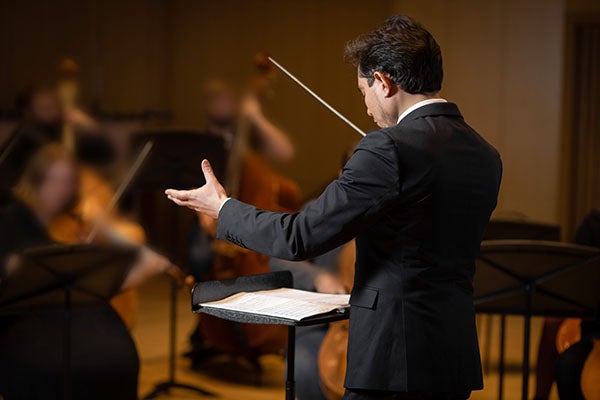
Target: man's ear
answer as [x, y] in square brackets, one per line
[388, 87]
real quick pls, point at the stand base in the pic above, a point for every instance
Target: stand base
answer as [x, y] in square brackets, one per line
[165, 387]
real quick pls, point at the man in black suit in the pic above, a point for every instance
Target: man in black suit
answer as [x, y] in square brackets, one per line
[417, 196]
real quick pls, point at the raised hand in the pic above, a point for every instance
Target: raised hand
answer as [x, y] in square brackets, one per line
[206, 199]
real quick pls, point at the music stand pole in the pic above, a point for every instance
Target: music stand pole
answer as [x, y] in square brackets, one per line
[164, 387]
[67, 344]
[526, 341]
[501, 361]
[290, 384]
[165, 167]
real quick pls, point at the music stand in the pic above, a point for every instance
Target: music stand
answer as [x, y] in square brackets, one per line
[174, 162]
[521, 229]
[536, 278]
[60, 276]
[204, 292]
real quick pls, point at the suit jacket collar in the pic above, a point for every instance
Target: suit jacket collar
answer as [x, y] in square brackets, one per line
[432, 110]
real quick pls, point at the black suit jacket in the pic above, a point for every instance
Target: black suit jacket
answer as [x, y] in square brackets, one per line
[417, 197]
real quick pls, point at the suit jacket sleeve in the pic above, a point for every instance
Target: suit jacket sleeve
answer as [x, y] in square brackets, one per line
[367, 187]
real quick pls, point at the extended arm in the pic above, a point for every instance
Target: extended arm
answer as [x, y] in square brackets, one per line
[368, 186]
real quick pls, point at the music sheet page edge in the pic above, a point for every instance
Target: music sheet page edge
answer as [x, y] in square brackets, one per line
[282, 303]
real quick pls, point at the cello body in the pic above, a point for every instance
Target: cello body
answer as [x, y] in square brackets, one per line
[95, 193]
[263, 188]
[250, 179]
[334, 348]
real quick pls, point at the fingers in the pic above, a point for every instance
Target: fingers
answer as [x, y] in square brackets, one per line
[178, 194]
[184, 203]
[209, 175]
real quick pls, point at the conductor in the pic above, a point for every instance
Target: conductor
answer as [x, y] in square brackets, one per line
[417, 195]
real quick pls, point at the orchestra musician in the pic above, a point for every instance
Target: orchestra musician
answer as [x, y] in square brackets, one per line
[229, 117]
[570, 366]
[417, 195]
[105, 361]
[222, 109]
[40, 123]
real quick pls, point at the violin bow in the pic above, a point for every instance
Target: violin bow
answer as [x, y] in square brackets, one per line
[8, 146]
[316, 96]
[121, 189]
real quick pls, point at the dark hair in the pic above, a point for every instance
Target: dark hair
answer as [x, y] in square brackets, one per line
[403, 50]
[25, 97]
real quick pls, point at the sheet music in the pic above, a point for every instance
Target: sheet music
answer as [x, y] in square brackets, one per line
[283, 303]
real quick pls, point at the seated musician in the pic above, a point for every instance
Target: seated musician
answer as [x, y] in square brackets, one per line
[224, 111]
[40, 123]
[570, 363]
[105, 361]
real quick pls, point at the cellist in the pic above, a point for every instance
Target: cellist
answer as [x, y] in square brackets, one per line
[255, 146]
[48, 188]
[417, 195]
[30, 354]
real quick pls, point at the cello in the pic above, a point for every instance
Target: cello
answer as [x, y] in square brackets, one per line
[334, 348]
[96, 217]
[250, 179]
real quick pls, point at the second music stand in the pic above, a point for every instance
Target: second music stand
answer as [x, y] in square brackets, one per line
[529, 277]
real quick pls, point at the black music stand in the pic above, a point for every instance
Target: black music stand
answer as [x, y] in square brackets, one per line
[519, 229]
[204, 292]
[175, 162]
[529, 277]
[60, 276]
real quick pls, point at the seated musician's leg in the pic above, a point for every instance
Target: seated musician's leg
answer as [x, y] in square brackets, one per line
[546, 359]
[308, 343]
[361, 394]
[568, 370]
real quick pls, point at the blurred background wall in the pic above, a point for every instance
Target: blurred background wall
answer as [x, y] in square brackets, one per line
[504, 65]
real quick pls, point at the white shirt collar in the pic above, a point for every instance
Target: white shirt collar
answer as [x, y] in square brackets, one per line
[419, 105]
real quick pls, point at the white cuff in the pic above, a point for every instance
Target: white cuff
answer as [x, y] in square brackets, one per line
[222, 204]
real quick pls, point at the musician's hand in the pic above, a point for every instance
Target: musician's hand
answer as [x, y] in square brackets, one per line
[206, 199]
[326, 282]
[251, 107]
[12, 264]
[153, 262]
[208, 224]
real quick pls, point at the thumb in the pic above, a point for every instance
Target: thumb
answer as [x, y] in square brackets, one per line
[207, 170]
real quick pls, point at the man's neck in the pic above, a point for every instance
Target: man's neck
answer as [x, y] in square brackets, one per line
[408, 100]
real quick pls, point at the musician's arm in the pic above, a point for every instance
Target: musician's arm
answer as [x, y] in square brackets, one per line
[368, 186]
[277, 144]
